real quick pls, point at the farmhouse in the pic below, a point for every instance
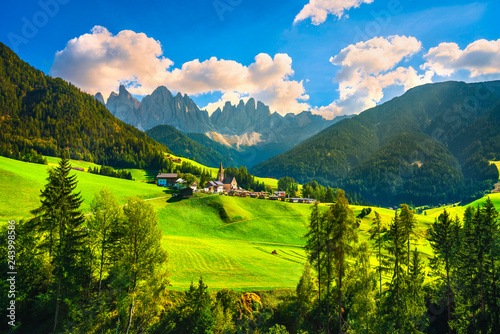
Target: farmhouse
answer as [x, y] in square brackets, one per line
[166, 179]
[215, 186]
[229, 183]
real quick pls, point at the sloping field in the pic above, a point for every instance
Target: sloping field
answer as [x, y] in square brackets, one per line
[21, 182]
[227, 240]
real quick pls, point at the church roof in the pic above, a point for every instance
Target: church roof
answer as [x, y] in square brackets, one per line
[214, 183]
[228, 180]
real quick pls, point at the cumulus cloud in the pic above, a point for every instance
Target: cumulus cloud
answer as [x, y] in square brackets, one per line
[233, 97]
[479, 58]
[367, 68]
[318, 10]
[100, 61]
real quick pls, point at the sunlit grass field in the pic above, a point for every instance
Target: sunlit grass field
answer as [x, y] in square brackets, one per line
[227, 240]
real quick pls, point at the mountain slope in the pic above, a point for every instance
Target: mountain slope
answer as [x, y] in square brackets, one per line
[449, 112]
[40, 114]
[181, 144]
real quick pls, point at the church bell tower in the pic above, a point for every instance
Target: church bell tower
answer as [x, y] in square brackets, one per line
[220, 175]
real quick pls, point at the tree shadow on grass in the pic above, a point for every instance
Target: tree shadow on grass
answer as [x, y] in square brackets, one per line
[174, 199]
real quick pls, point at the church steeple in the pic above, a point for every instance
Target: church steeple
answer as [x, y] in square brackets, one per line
[220, 175]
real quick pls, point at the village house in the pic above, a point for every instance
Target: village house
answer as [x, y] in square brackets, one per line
[166, 179]
[214, 186]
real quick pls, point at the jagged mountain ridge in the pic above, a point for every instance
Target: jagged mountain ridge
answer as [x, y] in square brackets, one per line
[245, 124]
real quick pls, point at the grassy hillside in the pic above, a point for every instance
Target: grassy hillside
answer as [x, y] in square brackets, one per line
[228, 240]
[21, 182]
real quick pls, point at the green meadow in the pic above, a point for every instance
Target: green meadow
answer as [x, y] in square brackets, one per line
[21, 182]
[227, 240]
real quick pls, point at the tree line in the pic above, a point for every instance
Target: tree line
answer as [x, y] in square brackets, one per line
[110, 171]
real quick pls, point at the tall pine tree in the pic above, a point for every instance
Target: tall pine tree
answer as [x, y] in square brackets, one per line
[59, 222]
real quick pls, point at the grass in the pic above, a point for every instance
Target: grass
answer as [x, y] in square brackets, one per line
[21, 182]
[227, 240]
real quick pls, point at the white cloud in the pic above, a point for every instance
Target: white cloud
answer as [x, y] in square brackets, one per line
[232, 97]
[367, 68]
[318, 10]
[100, 61]
[479, 58]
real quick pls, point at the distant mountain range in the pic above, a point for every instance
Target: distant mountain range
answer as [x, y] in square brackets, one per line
[249, 126]
[432, 144]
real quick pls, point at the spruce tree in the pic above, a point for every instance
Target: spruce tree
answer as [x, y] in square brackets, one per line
[443, 239]
[341, 233]
[59, 221]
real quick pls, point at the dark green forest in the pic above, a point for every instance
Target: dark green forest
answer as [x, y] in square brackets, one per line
[42, 115]
[452, 127]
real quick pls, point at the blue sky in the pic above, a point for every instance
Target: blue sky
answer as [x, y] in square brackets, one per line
[319, 67]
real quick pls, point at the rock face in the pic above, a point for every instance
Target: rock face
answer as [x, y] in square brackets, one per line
[99, 98]
[245, 124]
[124, 106]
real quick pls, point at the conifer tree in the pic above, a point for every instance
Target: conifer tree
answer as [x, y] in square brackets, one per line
[443, 239]
[341, 233]
[142, 258]
[59, 221]
[396, 246]
[408, 220]
[104, 226]
[315, 246]
[376, 234]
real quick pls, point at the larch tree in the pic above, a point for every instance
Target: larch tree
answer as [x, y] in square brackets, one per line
[104, 227]
[142, 258]
[315, 248]
[377, 234]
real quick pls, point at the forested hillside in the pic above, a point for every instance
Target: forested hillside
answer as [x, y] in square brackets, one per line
[181, 144]
[450, 132]
[42, 115]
